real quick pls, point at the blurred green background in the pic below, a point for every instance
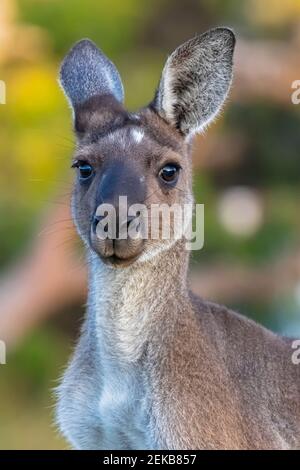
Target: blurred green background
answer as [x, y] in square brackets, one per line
[247, 173]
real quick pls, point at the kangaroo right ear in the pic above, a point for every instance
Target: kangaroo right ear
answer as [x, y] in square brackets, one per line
[86, 73]
[196, 80]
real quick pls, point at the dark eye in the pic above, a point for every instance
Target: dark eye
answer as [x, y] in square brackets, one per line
[85, 170]
[169, 173]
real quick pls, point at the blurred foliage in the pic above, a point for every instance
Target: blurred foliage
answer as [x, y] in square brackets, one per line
[36, 143]
[115, 26]
[27, 390]
[275, 15]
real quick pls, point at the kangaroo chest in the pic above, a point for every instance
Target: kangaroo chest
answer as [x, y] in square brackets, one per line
[122, 408]
[118, 326]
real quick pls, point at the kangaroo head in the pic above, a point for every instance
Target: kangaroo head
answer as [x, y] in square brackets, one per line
[144, 156]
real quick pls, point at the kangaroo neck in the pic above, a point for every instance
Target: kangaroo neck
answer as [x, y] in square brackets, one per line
[128, 305]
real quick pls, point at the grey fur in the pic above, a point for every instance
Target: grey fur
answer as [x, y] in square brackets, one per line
[86, 72]
[196, 80]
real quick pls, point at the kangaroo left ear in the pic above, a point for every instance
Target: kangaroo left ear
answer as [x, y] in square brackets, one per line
[86, 72]
[196, 80]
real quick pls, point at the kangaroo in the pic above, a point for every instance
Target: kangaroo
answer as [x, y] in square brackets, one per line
[155, 366]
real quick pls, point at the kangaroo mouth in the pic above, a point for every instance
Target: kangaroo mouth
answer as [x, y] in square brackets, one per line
[114, 260]
[119, 253]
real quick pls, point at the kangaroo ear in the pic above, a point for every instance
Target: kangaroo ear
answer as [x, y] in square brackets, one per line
[196, 80]
[86, 72]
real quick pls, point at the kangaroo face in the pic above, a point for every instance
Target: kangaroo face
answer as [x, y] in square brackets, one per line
[139, 158]
[132, 162]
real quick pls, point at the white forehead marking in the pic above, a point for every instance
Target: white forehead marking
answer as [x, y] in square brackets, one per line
[125, 135]
[118, 136]
[137, 135]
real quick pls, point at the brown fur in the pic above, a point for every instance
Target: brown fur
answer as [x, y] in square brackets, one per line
[156, 367]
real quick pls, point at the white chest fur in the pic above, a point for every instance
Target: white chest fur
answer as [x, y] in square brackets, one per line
[119, 321]
[123, 412]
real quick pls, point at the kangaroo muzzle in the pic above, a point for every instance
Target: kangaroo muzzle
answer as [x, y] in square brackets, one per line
[115, 234]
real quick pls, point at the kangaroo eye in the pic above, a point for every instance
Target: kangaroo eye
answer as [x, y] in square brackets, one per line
[85, 170]
[169, 173]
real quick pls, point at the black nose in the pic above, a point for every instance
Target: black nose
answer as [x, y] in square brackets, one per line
[124, 225]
